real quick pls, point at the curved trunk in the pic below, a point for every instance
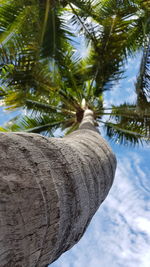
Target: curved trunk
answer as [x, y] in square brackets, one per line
[49, 190]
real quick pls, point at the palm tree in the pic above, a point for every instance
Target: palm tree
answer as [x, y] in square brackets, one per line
[55, 186]
[51, 187]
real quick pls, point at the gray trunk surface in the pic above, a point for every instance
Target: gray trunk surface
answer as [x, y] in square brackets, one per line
[50, 189]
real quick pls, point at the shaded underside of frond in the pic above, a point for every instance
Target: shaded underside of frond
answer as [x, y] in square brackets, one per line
[42, 124]
[126, 125]
[126, 134]
[143, 79]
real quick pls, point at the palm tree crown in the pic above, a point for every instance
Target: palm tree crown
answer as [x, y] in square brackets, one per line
[43, 72]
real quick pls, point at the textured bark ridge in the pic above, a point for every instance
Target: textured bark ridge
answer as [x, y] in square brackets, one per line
[49, 190]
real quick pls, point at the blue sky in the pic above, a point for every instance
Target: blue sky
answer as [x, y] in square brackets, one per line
[119, 234]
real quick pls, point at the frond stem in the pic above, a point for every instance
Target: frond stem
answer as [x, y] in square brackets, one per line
[86, 30]
[45, 20]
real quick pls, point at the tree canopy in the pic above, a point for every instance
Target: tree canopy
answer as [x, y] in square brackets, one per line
[44, 73]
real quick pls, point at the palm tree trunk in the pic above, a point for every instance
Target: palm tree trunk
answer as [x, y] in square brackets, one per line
[50, 189]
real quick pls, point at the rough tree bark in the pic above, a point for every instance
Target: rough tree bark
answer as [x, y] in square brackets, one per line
[49, 190]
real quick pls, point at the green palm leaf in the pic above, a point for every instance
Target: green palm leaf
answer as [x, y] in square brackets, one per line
[143, 81]
[39, 124]
[36, 106]
[127, 125]
[126, 134]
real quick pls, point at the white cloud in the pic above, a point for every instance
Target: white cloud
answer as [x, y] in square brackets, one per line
[120, 94]
[143, 225]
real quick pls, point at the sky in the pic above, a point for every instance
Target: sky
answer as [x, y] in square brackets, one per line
[119, 234]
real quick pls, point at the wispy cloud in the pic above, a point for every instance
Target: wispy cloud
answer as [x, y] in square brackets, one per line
[6, 115]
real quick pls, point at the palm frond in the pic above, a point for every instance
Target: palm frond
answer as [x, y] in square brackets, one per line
[126, 134]
[56, 33]
[9, 21]
[126, 109]
[23, 78]
[143, 80]
[113, 25]
[127, 125]
[40, 124]
[45, 108]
